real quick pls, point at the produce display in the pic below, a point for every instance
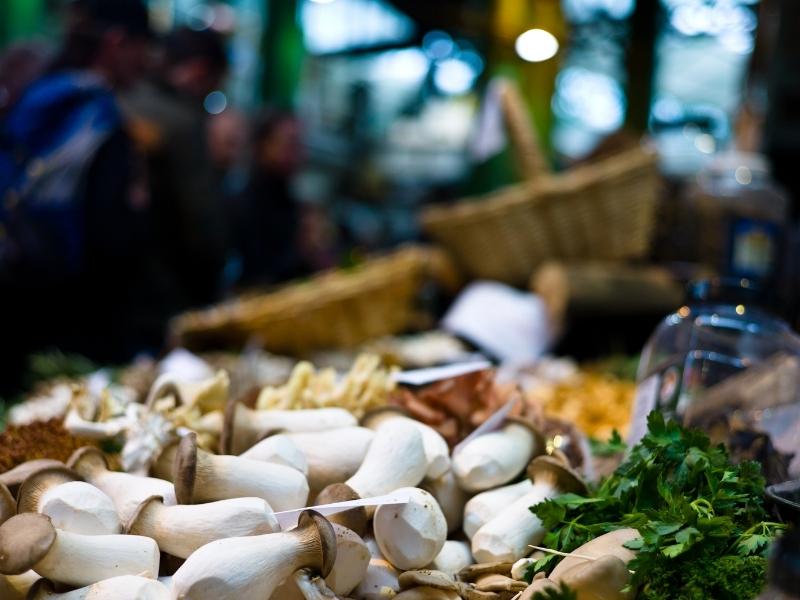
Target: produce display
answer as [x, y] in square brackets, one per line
[344, 486]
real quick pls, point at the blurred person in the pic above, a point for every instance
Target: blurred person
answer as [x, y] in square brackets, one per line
[20, 65]
[268, 219]
[72, 207]
[188, 215]
[227, 146]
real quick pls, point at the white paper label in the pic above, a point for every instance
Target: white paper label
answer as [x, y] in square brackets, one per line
[288, 518]
[491, 424]
[426, 376]
[643, 405]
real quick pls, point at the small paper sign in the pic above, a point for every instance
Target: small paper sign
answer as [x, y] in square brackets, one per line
[426, 376]
[492, 423]
[287, 519]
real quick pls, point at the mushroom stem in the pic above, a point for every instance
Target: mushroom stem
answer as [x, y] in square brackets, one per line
[483, 507]
[125, 490]
[497, 457]
[180, 530]
[124, 587]
[244, 426]
[253, 567]
[204, 477]
[333, 456]
[451, 498]
[312, 587]
[437, 452]
[280, 450]
[453, 557]
[352, 560]
[508, 535]
[92, 430]
[395, 459]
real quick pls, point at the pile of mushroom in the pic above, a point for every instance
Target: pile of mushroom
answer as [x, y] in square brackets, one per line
[202, 524]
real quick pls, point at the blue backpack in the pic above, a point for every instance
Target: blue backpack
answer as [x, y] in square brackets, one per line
[47, 144]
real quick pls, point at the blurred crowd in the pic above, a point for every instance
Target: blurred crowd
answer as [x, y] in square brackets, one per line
[122, 200]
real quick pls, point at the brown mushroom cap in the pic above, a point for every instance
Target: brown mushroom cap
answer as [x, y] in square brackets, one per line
[8, 507]
[354, 519]
[314, 525]
[555, 472]
[228, 426]
[14, 478]
[35, 486]
[24, 540]
[185, 470]
[41, 589]
[130, 528]
[376, 413]
[427, 578]
[87, 460]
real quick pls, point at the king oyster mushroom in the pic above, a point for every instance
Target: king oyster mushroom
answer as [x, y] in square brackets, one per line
[452, 558]
[354, 519]
[307, 586]
[13, 479]
[608, 544]
[380, 581]
[281, 450]
[333, 456]
[427, 585]
[182, 529]
[507, 536]
[243, 427]
[72, 505]
[604, 578]
[451, 498]
[483, 507]
[497, 457]
[203, 477]
[437, 452]
[124, 587]
[29, 541]
[410, 535]
[253, 567]
[125, 490]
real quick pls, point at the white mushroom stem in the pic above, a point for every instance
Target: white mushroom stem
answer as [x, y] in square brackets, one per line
[15, 587]
[125, 490]
[80, 560]
[410, 535]
[352, 560]
[180, 530]
[483, 507]
[250, 425]
[453, 557]
[495, 458]
[223, 477]
[253, 567]
[80, 427]
[280, 450]
[333, 456]
[380, 581]
[451, 498]
[437, 452]
[79, 507]
[395, 459]
[124, 587]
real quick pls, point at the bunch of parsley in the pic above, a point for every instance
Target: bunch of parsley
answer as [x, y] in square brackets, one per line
[692, 507]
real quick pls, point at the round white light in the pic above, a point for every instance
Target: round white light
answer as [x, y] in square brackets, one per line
[536, 45]
[215, 102]
[453, 76]
[322, 1]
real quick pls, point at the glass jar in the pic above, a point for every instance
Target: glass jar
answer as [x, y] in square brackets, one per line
[722, 363]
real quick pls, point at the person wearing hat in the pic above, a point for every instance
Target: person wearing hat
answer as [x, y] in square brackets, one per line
[72, 203]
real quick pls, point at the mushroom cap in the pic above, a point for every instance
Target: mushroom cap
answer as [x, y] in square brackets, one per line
[185, 468]
[42, 588]
[311, 520]
[473, 572]
[14, 478]
[538, 437]
[87, 459]
[129, 528]
[375, 413]
[427, 578]
[8, 507]
[228, 426]
[552, 469]
[427, 593]
[354, 519]
[24, 540]
[37, 483]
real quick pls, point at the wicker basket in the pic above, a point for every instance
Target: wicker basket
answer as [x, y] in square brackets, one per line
[603, 210]
[337, 309]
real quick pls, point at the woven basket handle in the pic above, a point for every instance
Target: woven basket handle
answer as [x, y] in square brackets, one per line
[524, 139]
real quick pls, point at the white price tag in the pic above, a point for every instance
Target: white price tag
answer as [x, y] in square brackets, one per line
[287, 519]
[426, 376]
